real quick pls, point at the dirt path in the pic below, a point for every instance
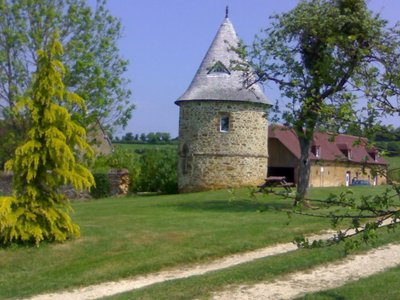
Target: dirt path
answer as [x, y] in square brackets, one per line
[322, 278]
[116, 287]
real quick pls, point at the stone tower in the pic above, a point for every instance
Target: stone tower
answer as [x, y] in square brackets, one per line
[223, 130]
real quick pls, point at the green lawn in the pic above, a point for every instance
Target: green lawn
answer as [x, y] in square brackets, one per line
[394, 162]
[122, 237]
[394, 167]
[268, 269]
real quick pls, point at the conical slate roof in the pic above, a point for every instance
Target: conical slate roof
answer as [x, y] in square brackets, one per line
[215, 80]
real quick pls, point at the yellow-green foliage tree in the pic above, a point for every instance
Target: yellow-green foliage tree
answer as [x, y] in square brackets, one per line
[47, 160]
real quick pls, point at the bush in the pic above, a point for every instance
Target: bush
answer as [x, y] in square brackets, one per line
[119, 159]
[393, 148]
[150, 170]
[103, 186]
[33, 223]
[158, 172]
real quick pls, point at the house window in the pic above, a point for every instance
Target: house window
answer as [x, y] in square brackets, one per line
[349, 156]
[224, 123]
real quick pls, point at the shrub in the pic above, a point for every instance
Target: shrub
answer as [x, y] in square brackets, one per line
[393, 148]
[157, 172]
[150, 170]
[119, 159]
[103, 186]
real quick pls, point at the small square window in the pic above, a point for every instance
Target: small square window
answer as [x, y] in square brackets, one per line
[224, 123]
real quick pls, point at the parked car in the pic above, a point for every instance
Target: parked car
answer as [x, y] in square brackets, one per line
[359, 182]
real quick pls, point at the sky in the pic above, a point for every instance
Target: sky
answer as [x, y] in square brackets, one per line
[166, 40]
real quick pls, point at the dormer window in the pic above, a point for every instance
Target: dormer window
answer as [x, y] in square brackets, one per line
[218, 69]
[349, 154]
[224, 123]
[346, 150]
[316, 150]
[374, 155]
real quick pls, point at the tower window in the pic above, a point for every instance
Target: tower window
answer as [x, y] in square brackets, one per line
[224, 123]
[218, 68]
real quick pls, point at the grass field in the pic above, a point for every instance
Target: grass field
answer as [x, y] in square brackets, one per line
[134, 147]
[122, 237]
[394, 162]
[394, 167]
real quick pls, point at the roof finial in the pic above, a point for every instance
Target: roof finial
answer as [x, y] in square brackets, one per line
[226, 12]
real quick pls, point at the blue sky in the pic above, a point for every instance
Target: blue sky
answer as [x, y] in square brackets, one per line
[166, 40]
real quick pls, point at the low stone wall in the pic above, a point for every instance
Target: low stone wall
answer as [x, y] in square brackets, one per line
[119, 180]
[5, 184]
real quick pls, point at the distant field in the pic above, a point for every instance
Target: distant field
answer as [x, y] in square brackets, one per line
[134, 147]
[394, 162]
[394, 167]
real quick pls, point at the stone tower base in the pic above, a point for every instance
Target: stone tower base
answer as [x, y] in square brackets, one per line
[218, 172]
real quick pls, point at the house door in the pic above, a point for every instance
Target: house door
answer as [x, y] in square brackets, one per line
[348, 176]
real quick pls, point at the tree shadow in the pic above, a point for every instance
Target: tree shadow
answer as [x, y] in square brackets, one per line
[328, 295]
[240, 205]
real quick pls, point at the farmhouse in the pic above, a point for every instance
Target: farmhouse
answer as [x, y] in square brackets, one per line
[98, 139]
[336, 160]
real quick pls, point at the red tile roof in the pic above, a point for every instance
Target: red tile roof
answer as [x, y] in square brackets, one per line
[332, 147]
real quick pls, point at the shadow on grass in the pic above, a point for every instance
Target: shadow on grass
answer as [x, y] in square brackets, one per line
[328, 295]
[233, 206]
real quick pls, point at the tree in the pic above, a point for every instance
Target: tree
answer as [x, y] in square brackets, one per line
[317, 54]
[165, 137]
[47, 160]
[94, 68]
[143, 137]
[393, 148]
[128, 137]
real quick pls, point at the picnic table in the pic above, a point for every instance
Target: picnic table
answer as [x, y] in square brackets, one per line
[276, 181]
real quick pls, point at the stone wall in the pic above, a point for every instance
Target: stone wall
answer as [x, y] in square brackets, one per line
[322, 173]
[334, 174]
[119, 180]
[209, 158]
[5, 184]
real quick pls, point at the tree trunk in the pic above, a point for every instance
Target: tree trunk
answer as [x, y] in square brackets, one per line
[304, 170]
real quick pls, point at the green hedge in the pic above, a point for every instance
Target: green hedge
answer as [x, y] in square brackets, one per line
[103, 186]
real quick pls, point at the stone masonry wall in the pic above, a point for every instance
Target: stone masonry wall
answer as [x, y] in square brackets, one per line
[5, 184]
[119, 180]
[209, 158]
[334, 174]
